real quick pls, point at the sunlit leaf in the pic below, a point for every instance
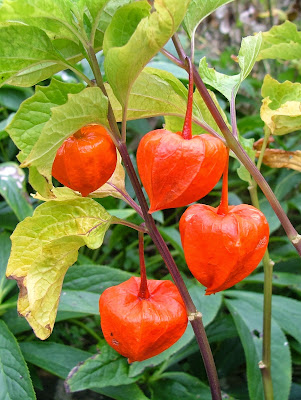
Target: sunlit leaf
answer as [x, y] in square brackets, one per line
[44, 246]
[134, 36]
[198, 10]
[225, 84]
[281, 42]
[31, 48]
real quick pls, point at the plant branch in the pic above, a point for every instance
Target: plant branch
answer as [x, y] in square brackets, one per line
[241, 154]
[139, 228]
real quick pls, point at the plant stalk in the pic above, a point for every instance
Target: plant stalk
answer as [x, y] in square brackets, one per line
[236, 147]
[265, 363]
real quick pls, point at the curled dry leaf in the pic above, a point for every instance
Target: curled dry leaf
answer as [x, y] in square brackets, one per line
[278, 158]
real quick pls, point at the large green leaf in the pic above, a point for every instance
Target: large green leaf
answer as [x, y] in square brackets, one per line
[27, 124]
[198, 10]
[289, 322]
[31, 49]
[14, 375]
[55, 358]
[179, 385]
[5, 246]
[281, 106]
[86, 107]
[44, 247]
[281, 42]
[282, 279]
[134, 36]
[12, 188]
[94, 278]
[247, 315]
[226, 85]
[105, 369]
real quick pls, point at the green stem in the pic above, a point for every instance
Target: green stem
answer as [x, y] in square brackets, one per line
[265, 364]
[87, 329]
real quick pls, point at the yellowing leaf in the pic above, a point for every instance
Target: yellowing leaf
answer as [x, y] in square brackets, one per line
[281, 106]
[44, 246]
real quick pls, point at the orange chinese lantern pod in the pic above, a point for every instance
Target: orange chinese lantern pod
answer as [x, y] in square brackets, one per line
[177, 169]
[223, 245]
[86, 160]
[140, 318]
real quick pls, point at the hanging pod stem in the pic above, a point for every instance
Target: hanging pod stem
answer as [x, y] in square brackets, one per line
[187, 128]
[223, 207]
[143, 291]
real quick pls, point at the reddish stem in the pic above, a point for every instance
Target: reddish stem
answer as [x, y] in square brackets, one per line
[187, 128]
[143, 291]
[223, 207]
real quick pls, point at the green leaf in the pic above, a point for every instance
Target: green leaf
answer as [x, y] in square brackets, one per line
[93, 278]
[281, 279]
[281, 42]
[5, 246]
[12, 97]
[289, 322]
[86, 107]
[178, 385]
[155, 92]
[14, 375]
[55, 358]
[44, 247]
[105, 369]
[250, 47]
[123, 392]
[207, 305]
[198, 10]
[79, 301]
[134, 36]
[247, 316]
[31, 49]
[281, 106]
[53, 17]
[172, 235]
[27, 124]
[12, 188]
[270, 215]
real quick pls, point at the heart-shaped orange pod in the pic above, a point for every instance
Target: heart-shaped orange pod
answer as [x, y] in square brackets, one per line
[177, 169]
[223, 245]
[140, 318]
[86, 160]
